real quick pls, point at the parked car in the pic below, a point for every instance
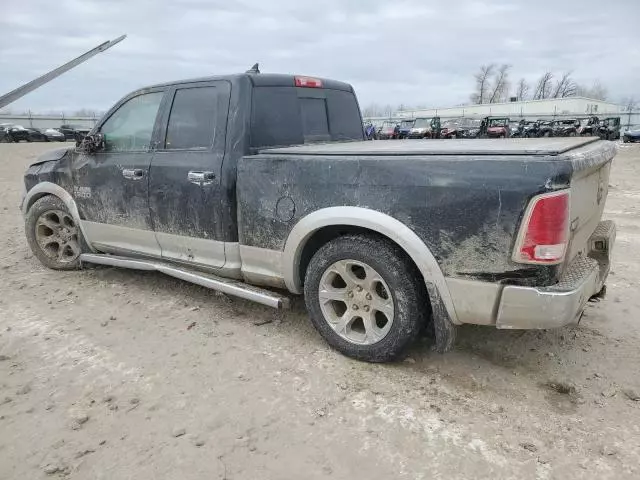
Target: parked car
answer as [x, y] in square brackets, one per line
[15, 133]
[589, 126]
[4, 132]
[425, 128]
[495, 127]
[45, 135]
[220, 182]
[631, 136]
[567, 127]
[388, 131]
[405, 127]
[609, 128]
[74, 132]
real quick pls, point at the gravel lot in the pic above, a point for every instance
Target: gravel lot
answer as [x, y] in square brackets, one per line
[115, 374]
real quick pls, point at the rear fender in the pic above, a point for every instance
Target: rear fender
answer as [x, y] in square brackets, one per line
[375, 221]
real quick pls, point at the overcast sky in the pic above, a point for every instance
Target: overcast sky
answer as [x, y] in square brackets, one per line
[392, 51]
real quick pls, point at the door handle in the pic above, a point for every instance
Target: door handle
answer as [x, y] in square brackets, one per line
[200, 177]
[133, 173]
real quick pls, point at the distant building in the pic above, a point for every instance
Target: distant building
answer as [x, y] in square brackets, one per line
[564, 107]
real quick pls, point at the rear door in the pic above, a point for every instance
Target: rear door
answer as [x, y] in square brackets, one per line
[111, 185]
[185, 194]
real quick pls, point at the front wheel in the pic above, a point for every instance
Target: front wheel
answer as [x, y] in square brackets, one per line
[53, 235]
[365, 297]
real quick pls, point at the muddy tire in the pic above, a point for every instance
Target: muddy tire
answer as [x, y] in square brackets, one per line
[53, 235]
[365, 297]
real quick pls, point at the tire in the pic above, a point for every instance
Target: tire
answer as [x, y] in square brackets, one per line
[339, 272]
[52, 234]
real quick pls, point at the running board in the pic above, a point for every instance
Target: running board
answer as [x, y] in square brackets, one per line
[224, 285]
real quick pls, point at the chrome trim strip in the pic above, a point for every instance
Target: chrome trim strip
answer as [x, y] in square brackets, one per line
[262, 266]
[122, 238]
[476, 302]
[373, 220]
[48, 188]
[230, 287]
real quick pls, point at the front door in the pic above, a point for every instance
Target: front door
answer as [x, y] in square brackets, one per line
[186, 200]
[111, 186]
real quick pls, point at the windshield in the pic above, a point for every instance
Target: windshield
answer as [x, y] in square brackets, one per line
[498, 122]
[422, 123]
[406, 124]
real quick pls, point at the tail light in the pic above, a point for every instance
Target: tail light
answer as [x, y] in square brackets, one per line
[544, 233]
[308, 82]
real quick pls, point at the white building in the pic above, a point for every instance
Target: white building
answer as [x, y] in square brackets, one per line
[565, 107]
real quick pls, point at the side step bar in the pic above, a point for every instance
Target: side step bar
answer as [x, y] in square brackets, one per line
[224, 285]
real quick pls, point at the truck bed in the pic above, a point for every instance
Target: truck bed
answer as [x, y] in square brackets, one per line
[493, 147]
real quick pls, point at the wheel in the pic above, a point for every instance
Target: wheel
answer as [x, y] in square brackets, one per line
[572, 134]
[52, 234]
[365, 297]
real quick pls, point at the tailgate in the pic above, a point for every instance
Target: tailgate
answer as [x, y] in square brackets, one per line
[589, 188]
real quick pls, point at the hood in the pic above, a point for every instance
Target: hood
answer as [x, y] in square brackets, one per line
[419, 129]
[52, 155]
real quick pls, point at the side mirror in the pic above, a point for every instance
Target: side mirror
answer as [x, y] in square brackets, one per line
[91, 143]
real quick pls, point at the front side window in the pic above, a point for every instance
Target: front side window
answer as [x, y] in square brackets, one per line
[192, 120]
[130, 128]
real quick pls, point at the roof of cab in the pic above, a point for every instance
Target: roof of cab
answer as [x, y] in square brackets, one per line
[261, 80]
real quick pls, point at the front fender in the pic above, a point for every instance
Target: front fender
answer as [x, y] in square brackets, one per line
[47, 188]
[375, 221]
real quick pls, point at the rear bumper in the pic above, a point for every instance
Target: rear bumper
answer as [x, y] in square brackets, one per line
[563, 303]
[517, 307]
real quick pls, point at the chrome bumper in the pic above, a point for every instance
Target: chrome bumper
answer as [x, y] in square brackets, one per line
[563, 303]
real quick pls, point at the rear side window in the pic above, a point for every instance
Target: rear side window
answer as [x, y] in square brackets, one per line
[284, 116]
[192, 119]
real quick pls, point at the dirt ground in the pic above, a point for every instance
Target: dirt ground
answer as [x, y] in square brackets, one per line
[116, 374]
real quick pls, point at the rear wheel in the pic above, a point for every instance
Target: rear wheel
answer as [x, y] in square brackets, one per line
[53, 235]
[365, 297]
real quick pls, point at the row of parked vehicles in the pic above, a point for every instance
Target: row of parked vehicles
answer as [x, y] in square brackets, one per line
[10, 132]
[495, 127]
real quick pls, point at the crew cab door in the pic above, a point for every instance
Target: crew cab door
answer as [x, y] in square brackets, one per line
[111, 185]
[185, 189]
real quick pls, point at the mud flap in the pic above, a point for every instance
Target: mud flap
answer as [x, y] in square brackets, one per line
[444, 329]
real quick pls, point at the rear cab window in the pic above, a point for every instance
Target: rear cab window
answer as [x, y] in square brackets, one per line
[288, 115]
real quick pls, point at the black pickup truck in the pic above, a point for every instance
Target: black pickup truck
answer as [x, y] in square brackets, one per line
[262, 185]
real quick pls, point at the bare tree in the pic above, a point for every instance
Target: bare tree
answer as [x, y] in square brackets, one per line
[630, 104]
[597, 91]
[565, 87]
[482, 83]
[522, 90]
[543, 87]
[372, 110]
[500, 84]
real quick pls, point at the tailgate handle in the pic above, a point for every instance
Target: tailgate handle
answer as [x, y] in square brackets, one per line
[133, 173]
[200, 177]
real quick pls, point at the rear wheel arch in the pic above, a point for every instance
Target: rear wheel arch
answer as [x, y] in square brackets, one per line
[321, 226]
